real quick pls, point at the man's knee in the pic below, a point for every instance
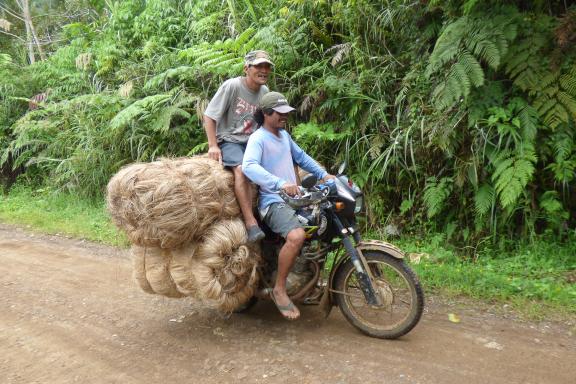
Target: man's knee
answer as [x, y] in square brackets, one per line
[239, 177]
[238, 174]
[296, 237]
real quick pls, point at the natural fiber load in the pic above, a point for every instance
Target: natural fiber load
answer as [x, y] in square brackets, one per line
[225, 265]
[169, 203]
[152, 271]
[220, 270]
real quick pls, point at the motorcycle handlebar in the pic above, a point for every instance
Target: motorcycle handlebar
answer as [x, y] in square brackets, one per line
[309, 196]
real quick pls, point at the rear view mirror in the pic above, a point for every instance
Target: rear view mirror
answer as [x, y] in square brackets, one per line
[309, 181]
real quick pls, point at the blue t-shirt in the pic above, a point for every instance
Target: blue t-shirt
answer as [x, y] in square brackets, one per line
[269, 162]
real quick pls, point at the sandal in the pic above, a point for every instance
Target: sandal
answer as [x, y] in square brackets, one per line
[285, 310]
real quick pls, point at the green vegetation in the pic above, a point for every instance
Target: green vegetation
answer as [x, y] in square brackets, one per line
[59, 213]
[453, 114]
[456, 117]
[528, 278]
[533, 279]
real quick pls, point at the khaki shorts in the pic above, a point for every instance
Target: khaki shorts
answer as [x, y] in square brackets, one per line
[281, 219]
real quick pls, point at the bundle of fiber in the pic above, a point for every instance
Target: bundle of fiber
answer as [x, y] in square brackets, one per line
[219, 270]
[224, 265]
[170, 202]
[152, 271]
[221, 181]
[181, 269]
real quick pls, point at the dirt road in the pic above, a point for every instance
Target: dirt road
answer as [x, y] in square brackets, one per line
[71, 313]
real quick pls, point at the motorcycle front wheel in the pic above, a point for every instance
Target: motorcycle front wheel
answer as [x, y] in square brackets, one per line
[399, 292]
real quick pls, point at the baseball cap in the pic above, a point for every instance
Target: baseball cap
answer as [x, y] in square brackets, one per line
[257, 57]
[275, 101]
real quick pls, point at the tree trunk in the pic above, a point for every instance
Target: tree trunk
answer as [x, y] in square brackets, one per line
[29, 43]
[30, 30]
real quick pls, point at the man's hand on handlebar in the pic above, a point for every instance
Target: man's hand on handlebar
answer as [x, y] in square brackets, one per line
[291, 189]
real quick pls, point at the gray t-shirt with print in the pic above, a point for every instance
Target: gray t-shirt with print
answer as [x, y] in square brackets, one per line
[233, 107]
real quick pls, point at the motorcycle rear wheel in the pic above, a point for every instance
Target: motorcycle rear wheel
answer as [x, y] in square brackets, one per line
[397, 287]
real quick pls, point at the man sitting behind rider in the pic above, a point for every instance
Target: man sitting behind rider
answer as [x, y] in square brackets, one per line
[269, 162]
[229, 120]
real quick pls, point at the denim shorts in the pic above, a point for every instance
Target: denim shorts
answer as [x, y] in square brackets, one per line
[281, 219]
[232, 153]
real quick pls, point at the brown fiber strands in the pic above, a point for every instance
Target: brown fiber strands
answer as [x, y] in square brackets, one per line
[220, 270]
[225, 266]
[188, 238]
[153, 272]
[168, 203]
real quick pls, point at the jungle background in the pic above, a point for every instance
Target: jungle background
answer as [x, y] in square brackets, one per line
[456, 117]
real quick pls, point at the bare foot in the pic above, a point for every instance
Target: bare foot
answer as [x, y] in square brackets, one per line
[285, 305]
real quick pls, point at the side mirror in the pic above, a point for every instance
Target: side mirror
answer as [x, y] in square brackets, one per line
[309, 181]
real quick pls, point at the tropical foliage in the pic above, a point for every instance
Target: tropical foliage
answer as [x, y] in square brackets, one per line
[455, 116]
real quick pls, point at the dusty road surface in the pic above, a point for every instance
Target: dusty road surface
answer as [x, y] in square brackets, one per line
[71, 313]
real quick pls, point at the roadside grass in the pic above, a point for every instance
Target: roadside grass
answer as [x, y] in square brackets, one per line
[47, 211]
[536, 280]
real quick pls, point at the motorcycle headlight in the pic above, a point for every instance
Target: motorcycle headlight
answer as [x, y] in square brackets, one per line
[358, 206]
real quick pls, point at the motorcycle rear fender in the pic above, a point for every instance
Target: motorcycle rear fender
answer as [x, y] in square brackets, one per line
[368, 245]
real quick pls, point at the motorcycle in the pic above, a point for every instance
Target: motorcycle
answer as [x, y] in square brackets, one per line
[367, 279]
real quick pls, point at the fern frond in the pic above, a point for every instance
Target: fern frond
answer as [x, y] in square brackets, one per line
[568, 82]
[464, 74]
[548, 83]
[550, 202]
[241, 41]
[544, 104]
[563, 145]
[180, 74]
[472, 68]
[484, 199]
[436, 193]
[564, 171]
[139, 109]
[166, 115]
[568, 102]
[481, 45]
[223, 61]
[553, 112]
[512, 173]
[447, 45]
[308, 71]
[201, 52]
[524, 62]
[529, 122]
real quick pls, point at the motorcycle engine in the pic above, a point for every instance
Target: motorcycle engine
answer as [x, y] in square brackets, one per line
[298, 277]
[311, 216]
[306, 216]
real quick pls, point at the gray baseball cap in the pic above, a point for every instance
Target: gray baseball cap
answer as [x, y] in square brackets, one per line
[275, 101]
[257, 57]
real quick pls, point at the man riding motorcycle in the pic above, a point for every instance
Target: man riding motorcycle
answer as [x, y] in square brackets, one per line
[269, 162]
